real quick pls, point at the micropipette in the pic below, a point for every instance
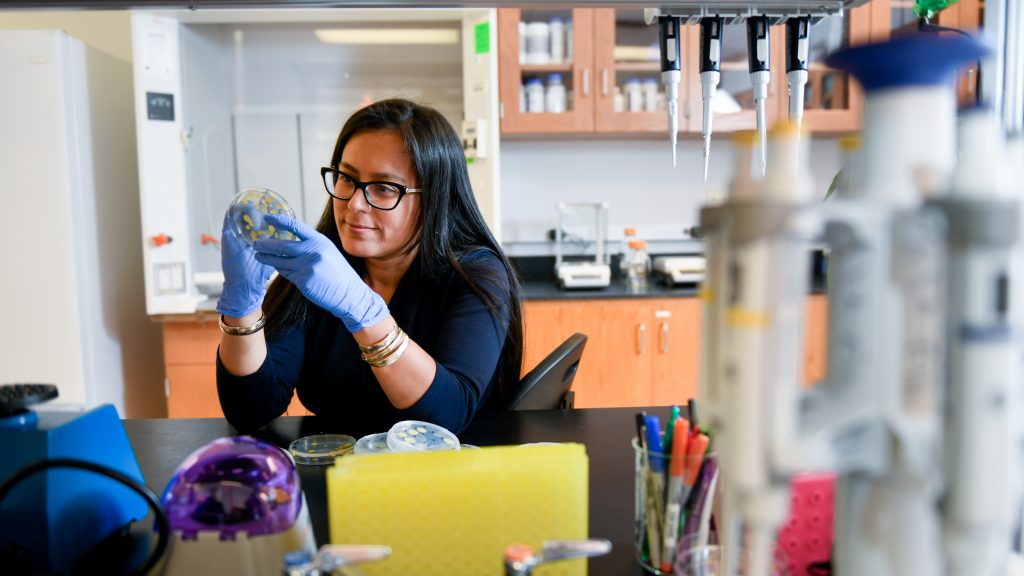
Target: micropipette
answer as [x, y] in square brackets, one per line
[760, 75]
[798, 40]
[710, 60]
[669, 42]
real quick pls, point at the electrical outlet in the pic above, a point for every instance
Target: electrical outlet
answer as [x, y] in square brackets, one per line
[170, 278]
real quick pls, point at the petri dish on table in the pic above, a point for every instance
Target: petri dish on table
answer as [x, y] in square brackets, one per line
[248, 211]
[416, 436]
[373, 444]
[320, 449]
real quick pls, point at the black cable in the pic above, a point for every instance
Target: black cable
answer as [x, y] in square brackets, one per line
[140, 488]
[926, 25]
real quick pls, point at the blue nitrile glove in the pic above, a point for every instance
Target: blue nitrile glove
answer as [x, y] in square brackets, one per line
[245, 279]
[321, 273]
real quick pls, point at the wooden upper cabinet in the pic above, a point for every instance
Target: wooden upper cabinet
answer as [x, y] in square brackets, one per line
[575, 68]
[614, 55]
[627, 60]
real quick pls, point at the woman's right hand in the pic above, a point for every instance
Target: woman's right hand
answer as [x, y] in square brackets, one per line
[245, 279]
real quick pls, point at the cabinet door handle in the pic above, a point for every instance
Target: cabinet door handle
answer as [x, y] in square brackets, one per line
[586, 82]
[641, 338]
[604, 81]
[664, 337]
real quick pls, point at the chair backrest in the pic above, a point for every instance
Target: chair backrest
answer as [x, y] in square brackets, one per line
[549, 384]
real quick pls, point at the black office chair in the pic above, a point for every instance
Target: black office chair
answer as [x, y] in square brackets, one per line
[549, 384]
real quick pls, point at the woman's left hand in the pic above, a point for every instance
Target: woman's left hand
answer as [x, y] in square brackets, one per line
[318, 269]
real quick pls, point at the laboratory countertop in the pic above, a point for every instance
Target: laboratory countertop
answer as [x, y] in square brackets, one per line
[538, 282]
[161, 445]
[533, 289]
[549, 290]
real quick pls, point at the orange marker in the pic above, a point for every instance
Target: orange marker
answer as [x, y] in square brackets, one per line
[695, 450]
[676, 492]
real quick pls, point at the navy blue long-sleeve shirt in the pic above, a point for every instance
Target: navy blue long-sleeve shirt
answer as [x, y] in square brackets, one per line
[323, 364]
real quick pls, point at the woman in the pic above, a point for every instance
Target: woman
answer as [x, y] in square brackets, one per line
[400, 305]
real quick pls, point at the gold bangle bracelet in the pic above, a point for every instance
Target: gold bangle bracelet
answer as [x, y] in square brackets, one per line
[382, 343]
[384, 355]
[394, 356]
[387, 351]
[243, 330]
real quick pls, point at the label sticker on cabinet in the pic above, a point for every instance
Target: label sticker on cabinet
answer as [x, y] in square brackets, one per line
[662, 313]
[482, 37]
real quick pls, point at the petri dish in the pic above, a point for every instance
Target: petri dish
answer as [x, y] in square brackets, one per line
[373, 444]
[416, 436]
[248, 209]
[320, 449]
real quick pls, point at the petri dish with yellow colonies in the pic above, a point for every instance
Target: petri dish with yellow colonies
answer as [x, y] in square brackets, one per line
[416, 436]
[320, 449]
[248, 212]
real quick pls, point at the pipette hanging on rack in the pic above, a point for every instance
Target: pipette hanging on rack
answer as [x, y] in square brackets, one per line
[798, 40]
[668, 28]
[710, 62]
[758, 50]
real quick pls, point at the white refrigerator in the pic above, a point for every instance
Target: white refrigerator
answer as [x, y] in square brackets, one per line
[72, 304]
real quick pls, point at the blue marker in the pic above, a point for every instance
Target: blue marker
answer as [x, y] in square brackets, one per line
[655, 487]
[655, 454]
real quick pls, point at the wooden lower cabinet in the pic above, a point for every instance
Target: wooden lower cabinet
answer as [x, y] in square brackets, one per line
[190, 368]
[640, 352]
[192, 391]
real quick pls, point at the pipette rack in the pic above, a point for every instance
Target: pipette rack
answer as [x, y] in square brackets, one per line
[780, 9]
[737, 12]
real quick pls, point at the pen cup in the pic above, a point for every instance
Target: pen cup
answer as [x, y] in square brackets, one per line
[695, 558]
[663, 502]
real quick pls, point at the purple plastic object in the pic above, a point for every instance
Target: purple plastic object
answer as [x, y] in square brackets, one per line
[232, 485]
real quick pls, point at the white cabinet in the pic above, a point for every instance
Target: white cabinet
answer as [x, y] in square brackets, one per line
[71, 295]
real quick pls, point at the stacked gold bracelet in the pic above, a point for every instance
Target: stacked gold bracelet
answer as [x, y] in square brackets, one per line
[387, 350]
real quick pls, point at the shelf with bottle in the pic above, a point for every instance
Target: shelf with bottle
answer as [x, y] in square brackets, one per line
[595, 80]
[545, 94]
[545, 80]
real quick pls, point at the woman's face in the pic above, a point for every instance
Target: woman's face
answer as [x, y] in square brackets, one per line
[365, 231]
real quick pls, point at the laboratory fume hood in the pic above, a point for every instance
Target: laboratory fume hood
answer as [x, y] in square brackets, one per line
[233, 99]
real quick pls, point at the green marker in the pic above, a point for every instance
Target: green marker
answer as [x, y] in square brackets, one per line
[671, 427]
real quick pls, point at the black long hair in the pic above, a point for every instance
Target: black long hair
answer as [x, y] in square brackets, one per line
[450, 225]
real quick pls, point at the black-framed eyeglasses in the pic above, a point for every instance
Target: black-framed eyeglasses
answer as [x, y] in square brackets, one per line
[379, 194]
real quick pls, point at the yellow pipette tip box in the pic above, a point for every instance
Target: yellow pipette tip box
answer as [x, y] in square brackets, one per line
[452, 513]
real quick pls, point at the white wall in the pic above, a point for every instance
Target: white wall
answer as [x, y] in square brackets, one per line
[635, 177]
[140, 339]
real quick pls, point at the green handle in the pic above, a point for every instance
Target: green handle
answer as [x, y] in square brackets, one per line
[929, 9]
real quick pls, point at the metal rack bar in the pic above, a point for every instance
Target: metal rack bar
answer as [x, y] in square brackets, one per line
[738, 12]
[784, 8]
